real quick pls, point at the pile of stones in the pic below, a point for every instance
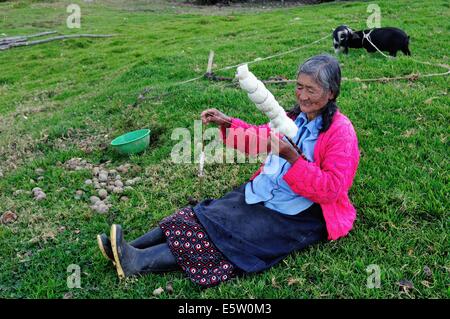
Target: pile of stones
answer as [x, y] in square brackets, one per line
[104, 182]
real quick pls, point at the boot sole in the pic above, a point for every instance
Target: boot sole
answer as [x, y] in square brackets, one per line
[119, 269]
[100, 246]
[102, 249]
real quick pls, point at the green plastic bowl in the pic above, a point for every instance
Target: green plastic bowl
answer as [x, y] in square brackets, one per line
[132, 142]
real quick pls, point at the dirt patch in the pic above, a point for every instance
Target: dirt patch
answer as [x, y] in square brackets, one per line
[181, 7]
[83, 140]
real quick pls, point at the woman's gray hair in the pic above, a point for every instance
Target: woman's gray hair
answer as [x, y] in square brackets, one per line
[325, 70]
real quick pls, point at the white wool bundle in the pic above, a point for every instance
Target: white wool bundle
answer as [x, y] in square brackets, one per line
[288, 128]
[249, 84]
[275, 111]
[265, 101]
[242, 72]
[261, 93]
[277, 122]
[267, 104]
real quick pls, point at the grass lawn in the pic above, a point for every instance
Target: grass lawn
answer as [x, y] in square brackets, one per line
[66, 99]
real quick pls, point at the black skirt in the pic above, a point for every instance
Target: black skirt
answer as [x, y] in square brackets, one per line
[254, 237]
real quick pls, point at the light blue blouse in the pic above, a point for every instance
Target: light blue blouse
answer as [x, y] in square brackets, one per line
[269, 186]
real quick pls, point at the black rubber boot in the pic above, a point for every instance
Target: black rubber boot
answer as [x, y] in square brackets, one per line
[104, 244]
[153, 237]
[133, 261]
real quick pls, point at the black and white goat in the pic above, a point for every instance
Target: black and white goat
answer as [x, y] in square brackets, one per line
[384, 39]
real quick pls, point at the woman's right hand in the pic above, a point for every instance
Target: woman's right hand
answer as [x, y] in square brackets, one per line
[215, 116]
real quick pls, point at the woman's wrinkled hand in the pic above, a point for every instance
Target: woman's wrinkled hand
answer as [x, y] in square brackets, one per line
[283, 149]
[215, 116]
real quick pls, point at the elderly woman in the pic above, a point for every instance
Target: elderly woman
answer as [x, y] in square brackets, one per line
[293, 201]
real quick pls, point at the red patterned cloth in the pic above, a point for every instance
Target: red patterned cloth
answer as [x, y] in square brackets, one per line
[203, 263]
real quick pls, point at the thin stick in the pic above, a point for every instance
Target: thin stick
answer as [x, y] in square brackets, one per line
[202, 157]
[61, 37]
[210, 62]
[299, 151]
[24, 37]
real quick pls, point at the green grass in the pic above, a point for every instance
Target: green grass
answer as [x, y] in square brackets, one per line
[56, 98]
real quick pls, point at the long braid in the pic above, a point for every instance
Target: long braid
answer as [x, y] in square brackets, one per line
[327, 115]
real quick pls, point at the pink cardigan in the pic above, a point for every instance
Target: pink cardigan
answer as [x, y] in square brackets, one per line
[325, 181]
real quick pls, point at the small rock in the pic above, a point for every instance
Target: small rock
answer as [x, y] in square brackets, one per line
[40, 196]
[36, 190]
[95, 171]
[102, 193]
[102, 208]
[118, 177]
[122, 169]
[158, 291]
[405, 285]
[94, 199]
[129, 182]
[97, 186]
[118, 190]
[88, 182]
[113, 172]
[103, 184]
[39, 171]
[8, 217]
[124, 199]
[78, 194]
[110, 188]
[137, 179]
[40, 178]
[118, 183]
[68, 295]
[1, 174]
[102, 177]
[32, 181]
[128, 188]
[169, 288]
[427, 271]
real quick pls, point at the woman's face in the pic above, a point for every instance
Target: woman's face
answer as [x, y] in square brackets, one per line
[311, 96]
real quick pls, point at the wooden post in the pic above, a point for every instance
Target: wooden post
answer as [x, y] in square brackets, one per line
[210, 62]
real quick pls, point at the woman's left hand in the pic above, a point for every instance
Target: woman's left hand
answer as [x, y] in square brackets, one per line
[283, 149]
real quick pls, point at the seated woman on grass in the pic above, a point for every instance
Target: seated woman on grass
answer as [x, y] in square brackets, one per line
[293, 201]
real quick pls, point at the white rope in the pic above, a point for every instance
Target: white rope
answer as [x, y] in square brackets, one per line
[254, 61]
[367, 36]
[272, 56]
